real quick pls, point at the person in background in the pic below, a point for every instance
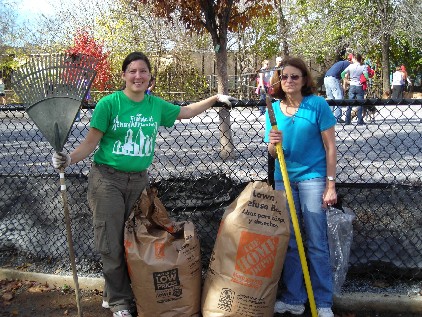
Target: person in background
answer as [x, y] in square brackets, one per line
[278, 61]
[151, 86]
[125, 126]
[405, 77]
[333, 86]
[306, 130]
[366, 83]
[86, 99]
[263, 81]
[353, 72]
[397, 84]
[2, 92]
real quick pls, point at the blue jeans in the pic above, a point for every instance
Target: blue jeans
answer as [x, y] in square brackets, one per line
[355, 92]
[263, 97]
[334, 90]
[307, 196]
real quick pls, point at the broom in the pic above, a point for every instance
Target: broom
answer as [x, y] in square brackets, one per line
[52, 89]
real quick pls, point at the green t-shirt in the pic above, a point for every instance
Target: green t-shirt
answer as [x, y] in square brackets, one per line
[130, 129]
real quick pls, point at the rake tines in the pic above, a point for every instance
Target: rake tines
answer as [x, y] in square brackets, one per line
[52, 88]
[51, 76]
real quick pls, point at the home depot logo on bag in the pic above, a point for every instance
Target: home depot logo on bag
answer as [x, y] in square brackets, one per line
[256, 254]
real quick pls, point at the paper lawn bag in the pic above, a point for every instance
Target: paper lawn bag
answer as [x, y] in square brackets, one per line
[248, 255]
[164, 261]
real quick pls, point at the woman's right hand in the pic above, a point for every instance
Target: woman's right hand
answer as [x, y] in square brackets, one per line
[60, 160]
[275, 136]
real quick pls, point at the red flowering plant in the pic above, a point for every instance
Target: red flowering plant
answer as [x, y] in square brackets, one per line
[86, 44]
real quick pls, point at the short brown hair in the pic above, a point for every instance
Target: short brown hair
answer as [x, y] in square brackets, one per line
[308, 89]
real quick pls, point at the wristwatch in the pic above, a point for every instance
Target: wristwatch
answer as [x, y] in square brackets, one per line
[331, 178]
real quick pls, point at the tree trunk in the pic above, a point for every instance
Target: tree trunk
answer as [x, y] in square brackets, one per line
[283, 30]
[385, 45]
[386, 20]
[226, 141]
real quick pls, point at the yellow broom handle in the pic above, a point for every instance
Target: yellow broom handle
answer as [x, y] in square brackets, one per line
[293, 216]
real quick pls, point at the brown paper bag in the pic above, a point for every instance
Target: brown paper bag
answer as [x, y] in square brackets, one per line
[163, 259]
[248, 255]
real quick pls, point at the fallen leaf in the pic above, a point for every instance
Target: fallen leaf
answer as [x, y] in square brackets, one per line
[40, 288]
[7, 296]
[24, 266]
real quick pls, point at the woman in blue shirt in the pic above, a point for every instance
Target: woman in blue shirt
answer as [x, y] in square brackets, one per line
[306, 130]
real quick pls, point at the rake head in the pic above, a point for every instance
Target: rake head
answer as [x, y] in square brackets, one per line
[52, 88]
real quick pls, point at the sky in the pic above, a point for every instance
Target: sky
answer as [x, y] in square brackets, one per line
[28, 8]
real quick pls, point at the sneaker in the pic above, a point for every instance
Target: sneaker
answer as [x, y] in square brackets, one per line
[105, 304]
[340, 120]
[325, 312]
[281, 307]
[122, 313]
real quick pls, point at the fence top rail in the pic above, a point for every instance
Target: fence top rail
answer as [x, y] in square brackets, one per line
[373, 102]
[253, 103]
[331, 102]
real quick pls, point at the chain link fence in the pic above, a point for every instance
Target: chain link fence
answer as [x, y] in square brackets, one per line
[378, 176]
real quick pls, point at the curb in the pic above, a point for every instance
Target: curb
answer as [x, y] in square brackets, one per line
[85, 283]
[348, 301]
[387, 303]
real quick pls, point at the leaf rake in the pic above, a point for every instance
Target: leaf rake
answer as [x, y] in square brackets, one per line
[52, 89]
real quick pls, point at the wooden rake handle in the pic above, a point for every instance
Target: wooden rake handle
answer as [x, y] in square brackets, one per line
[70, 240]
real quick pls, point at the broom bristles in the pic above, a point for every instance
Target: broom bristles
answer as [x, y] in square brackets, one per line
[51, 76]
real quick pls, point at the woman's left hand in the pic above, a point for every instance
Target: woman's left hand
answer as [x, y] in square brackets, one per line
[329, 197]
[275, 136]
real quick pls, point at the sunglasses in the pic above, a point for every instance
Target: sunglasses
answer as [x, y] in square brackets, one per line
[293, 77]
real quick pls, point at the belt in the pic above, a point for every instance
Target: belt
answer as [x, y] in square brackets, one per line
[112, 170]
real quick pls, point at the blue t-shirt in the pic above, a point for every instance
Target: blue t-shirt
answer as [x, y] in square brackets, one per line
[336, 69]
[303, 146]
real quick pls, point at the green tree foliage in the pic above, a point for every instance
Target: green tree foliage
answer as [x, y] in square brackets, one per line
[325, 29]
[127, 28]
[123, 31]
[8, 52]
[405, 52]
[266, 40]
[188, 83]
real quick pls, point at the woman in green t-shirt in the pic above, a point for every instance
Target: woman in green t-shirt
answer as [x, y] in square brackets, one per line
[124, 125]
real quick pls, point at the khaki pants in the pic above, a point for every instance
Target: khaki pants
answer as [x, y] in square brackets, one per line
[111, 195]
